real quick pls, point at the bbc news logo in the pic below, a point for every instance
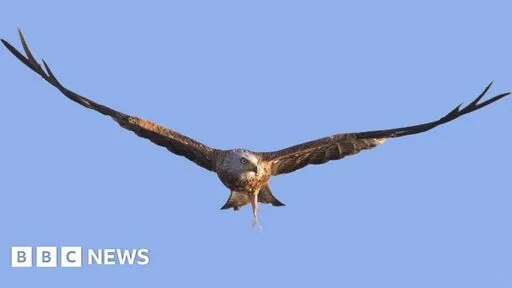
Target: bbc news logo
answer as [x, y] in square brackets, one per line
[67, 256]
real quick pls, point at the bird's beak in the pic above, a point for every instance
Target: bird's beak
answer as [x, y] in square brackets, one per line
[254, 168]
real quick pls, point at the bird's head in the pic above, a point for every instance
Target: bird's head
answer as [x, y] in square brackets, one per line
[242, 161]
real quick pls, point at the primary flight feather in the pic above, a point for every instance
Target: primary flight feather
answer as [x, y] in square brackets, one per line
[243, 172]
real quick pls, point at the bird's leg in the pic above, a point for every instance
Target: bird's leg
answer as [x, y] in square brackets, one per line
[254, 204]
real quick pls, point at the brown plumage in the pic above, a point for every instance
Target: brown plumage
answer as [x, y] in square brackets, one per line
[244, 172]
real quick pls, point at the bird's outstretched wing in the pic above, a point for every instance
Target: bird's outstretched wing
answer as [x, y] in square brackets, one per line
[338, 146]
[182, 145]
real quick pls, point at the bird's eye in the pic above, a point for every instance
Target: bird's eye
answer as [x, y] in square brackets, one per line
[243, 160]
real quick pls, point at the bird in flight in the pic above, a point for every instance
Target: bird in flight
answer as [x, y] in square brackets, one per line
[246, 173]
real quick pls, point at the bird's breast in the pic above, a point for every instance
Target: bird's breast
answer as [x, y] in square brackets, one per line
[247, 181]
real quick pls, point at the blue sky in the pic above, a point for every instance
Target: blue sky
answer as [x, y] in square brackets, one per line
[431, 210]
